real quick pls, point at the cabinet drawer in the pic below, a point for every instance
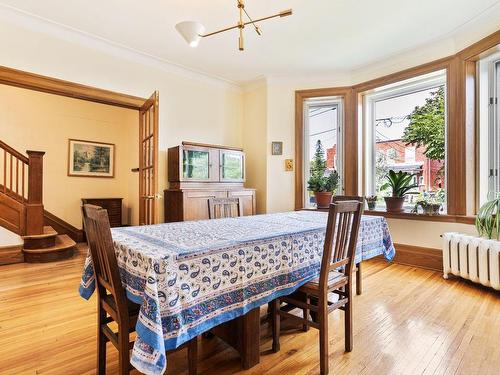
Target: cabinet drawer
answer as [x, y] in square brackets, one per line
[206, 194]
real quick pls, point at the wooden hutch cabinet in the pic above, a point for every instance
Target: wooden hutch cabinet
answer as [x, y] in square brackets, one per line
[197, 172]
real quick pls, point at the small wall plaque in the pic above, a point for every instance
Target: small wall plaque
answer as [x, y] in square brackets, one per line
[289, 165]
[277, 148]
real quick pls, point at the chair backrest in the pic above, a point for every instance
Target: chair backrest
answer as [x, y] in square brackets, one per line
[106, 271]
[341, 198]
[344, 218]
[219, 208]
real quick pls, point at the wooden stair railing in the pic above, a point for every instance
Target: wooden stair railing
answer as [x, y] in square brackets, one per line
[21, 190]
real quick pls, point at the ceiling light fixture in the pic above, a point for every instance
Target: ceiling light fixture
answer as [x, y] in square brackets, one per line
[193, 31]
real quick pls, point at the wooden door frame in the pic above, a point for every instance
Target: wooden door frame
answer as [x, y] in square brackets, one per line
[37, 82]
[144, 116]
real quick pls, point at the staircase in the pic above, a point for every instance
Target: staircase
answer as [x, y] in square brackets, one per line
[21, 209]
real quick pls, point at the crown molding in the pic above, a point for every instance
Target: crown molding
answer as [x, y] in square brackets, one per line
[257, 83]
[39, 24]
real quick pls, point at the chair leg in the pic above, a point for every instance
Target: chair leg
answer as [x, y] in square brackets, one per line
[193, 356]
[348, 319]
[305, 314]
[323, 335]
[276, 325]
[101, 343]
[123, 350]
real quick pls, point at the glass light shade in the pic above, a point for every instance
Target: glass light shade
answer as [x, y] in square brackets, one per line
[191, 31]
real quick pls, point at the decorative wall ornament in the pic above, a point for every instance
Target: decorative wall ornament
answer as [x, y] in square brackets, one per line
[277, 148]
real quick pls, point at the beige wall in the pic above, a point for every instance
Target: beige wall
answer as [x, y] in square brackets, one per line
[31, 120]
[193, 107]
[255, 142]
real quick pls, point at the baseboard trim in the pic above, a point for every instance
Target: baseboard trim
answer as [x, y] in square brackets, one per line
[11, 255]
[62, 227]
[416, 256]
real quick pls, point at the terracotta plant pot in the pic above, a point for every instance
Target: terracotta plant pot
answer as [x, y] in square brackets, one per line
[394, 204]
[323, 199]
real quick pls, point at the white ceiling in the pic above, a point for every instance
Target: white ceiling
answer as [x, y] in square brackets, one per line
[321, 37]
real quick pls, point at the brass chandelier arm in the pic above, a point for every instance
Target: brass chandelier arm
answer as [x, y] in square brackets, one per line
[284, 13]
[257, 28]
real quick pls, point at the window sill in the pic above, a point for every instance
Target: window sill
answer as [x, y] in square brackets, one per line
[413, 216]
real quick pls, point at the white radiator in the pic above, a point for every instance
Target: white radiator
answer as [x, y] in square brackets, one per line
[473, 258]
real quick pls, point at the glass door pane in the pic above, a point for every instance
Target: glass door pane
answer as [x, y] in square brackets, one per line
[322, 123]
[232, 166]
[195, 165]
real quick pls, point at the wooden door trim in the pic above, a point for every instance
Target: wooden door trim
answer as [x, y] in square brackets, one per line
[144, 117]
[36, 82]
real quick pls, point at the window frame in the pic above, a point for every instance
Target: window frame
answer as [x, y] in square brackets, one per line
[494, 123]
[338, 103]
[349, 136]
[427, 81]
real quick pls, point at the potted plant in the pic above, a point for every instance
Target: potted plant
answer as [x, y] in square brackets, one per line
[488, 218]
[400, 184]
[430, 203]
[322, 183]
[372, 201]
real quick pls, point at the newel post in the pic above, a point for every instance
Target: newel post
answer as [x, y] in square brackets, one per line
[34, 207]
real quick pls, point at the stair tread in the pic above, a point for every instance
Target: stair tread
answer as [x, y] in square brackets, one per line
[48, 231]
[63, 242]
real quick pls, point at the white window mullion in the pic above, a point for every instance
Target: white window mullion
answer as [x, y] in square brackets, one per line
[496, 126]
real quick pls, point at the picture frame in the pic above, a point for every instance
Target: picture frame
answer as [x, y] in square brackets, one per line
[277, 148]
[91, 159]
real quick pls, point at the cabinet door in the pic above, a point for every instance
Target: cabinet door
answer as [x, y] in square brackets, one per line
[196, 203]
[232, 166]
[247, 199]
[198, 164]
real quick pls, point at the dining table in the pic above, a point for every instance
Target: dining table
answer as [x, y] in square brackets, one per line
[191, 277]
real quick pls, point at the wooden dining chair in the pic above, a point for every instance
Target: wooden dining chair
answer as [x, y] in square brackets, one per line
[112, 303]
[344, 218]
[358, 268]
[219, 208]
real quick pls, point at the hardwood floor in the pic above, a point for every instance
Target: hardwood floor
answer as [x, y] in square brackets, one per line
[408, 321]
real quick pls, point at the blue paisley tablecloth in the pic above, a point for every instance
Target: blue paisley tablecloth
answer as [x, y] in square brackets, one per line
[192, 276]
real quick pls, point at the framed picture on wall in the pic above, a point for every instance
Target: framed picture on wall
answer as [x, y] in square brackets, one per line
[91, 159]
[277, 148]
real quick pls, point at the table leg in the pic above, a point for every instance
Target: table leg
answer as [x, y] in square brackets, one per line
[250, 353]
[359, 279]
[243, 334]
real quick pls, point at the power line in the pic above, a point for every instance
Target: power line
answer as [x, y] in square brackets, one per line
[320, 113]
[323, 132]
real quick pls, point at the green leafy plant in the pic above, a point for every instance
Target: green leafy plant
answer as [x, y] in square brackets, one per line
[430, 202]
[372, 201]
[320, 180]
[488, 218]
[400, 183]
[427, 126]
